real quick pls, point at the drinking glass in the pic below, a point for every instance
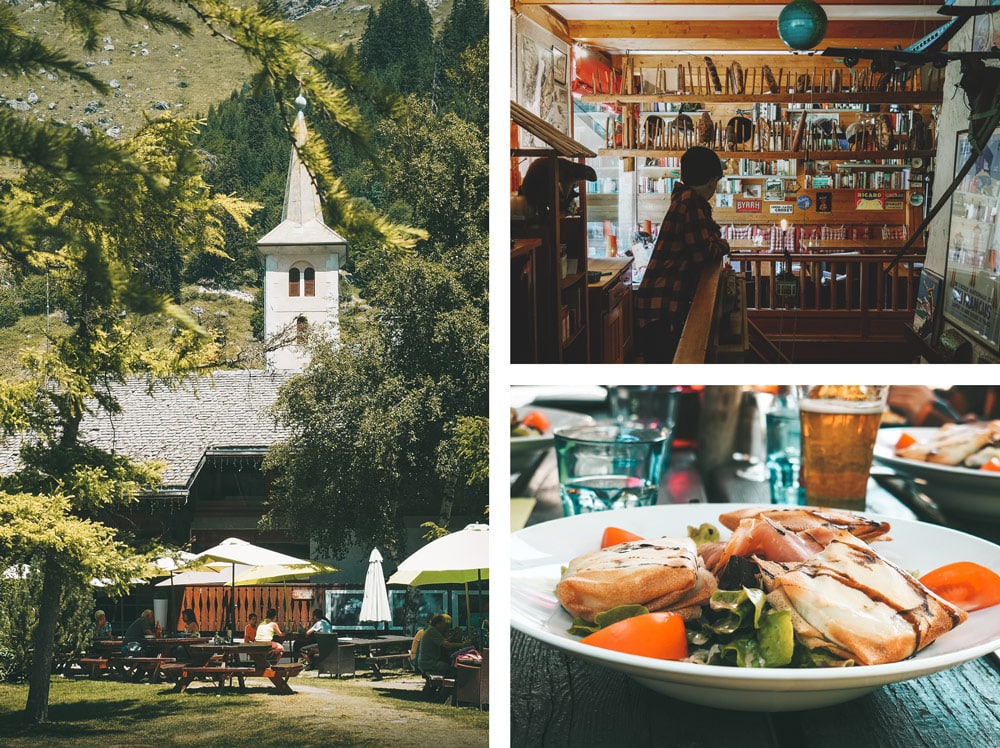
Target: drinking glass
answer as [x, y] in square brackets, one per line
[609, 466]
[647, 407]
[839, 426]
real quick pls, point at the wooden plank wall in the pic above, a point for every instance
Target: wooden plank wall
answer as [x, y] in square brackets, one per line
[211, 603]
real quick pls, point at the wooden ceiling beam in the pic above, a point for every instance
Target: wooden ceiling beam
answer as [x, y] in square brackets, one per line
[737, 33]
[867, 3]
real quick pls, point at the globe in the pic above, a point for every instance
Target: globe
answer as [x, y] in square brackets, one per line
[802, 24]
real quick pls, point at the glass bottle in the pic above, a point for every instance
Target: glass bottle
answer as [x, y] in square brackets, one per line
[784, 447]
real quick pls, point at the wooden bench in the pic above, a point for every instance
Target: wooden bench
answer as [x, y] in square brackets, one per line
[95, 667]
[376, 662]
[135, 668]
[438, 686]
[279, 675]
[219, 674]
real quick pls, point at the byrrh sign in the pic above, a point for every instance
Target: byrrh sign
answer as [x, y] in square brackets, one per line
[748, 205]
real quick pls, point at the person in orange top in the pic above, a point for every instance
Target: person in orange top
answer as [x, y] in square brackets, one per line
[250, 632]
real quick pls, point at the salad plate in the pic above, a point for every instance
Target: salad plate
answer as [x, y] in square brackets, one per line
[539, 552]
[525, 450]
[961, 490]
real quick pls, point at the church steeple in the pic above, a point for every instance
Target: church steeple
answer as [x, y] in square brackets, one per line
[302, 259]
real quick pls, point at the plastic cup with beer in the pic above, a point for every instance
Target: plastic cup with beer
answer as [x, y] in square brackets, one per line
[839, 426]
[609, 466]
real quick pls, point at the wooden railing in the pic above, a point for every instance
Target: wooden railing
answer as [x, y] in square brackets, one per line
[701, 321]
[834, 282]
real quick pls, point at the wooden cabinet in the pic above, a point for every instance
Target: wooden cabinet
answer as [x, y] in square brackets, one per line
[611, 310]
[549, 314]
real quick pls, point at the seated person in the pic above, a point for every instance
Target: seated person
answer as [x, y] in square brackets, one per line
[250, 632]
[269, 631]
[190, 622]
[137, 632]
[433, 656]
[307, 647]
[102, 628]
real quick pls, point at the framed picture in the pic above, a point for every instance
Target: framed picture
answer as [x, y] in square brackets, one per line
[413, 606]
[927, 313]
[343, 608]
[971, 283]
[559, 61]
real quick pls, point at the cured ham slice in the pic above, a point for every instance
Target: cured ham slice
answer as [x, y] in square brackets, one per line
[798, 519]
[850, 601]
[661, 574]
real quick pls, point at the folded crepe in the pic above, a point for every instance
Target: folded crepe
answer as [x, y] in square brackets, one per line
[853, 603]
[662, 574]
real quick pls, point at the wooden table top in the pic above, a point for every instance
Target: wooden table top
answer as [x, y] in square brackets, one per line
[559, 700]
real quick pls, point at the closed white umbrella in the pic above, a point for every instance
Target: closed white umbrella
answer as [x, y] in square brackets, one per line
[375, 604]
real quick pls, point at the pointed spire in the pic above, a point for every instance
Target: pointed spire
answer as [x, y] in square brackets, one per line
[302, 211]
[301, 200]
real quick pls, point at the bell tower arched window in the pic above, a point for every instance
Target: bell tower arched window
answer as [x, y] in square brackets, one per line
[302, 282]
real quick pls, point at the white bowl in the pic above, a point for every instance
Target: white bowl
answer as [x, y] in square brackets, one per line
[526, 451]
[538, 552]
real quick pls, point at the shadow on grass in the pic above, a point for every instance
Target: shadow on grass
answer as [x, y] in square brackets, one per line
[413, 696]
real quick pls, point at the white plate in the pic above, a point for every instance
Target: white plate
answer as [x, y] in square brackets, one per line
[539, 551]
[524, 450]
[963, 491]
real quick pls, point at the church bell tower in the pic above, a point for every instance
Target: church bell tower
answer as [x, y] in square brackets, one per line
[302, 260]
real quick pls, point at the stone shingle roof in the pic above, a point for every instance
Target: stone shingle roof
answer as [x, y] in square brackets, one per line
[226, 411]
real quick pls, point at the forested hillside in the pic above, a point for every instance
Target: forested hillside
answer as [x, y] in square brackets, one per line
[431, 78]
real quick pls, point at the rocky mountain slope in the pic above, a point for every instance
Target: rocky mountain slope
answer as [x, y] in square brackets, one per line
[151, 73]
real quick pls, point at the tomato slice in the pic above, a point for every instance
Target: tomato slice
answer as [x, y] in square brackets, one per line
[659, 635]
[966, 584]
[993, 465]
[616, 535]
[535, 420]
[905, 440]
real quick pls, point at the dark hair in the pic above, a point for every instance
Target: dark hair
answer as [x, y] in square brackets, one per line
[318, 613]
[188, 615]
[271, 613]
[251, 614]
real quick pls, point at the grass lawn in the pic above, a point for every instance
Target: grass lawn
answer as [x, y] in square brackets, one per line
[322, 712]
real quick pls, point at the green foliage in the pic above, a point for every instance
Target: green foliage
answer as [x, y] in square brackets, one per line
[372, 416]
[10, 306]
[19, 617]
[464, 30]
[437, 167]
[397, 46]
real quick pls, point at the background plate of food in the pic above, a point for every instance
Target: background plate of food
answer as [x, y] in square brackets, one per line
[957, 481]
[540, 554]
[531, 433]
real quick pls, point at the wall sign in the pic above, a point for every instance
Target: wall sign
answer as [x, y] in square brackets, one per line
[782, 209]
[748, 205]
[804, 202]
[869, 200]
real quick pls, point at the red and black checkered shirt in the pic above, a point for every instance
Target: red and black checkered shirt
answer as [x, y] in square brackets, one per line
[688, 239]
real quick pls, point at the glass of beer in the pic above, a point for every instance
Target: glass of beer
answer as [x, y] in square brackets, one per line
[839, 426]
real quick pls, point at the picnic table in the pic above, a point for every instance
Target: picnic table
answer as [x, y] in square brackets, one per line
[223, 662]
[381, 650]
[137, 668]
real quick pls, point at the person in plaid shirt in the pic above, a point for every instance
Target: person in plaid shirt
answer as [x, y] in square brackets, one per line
[688, 239]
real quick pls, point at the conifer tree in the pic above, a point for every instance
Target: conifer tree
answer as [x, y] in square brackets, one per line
[76, 215]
